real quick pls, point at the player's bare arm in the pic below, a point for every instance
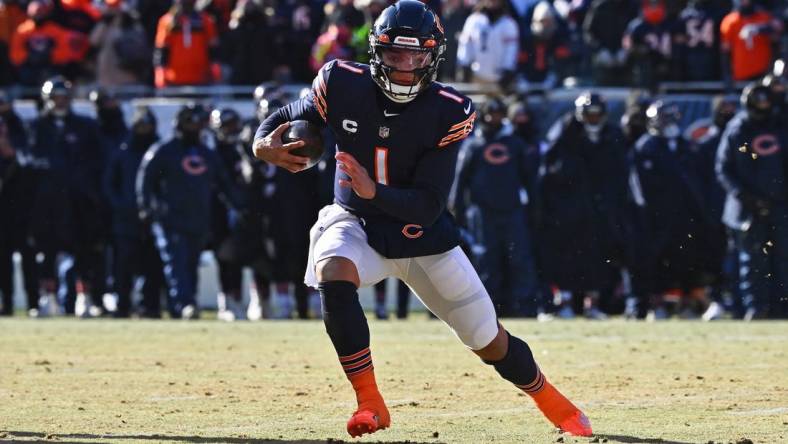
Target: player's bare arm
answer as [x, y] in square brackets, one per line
[362, 184]
[271, 149]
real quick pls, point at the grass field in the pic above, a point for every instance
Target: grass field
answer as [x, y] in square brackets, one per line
[73, 381]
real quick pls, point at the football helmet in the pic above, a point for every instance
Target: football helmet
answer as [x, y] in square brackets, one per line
[663, 119]
[591, 111]
[757, 99]
[406, 45]
[226, 124]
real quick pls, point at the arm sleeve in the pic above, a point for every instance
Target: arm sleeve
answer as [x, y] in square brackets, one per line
[98, 34]
[726, 33]
[18, 52]
[313, 107]
[590, 27]
[162, 32]
[301, 109]
[724, 165]
[150, 168]
[426, 199]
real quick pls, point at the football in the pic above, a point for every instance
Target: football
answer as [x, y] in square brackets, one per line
[312, 137]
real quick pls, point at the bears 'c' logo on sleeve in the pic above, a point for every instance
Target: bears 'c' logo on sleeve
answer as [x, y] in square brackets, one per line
[496, 154]
[765, 145]
[194, 165]
[412, 231]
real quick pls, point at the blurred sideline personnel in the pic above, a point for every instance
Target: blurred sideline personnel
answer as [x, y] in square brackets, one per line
[671, 218]
[648, 42]
[237, 239]
[134, 248]
[112, 133]
[698, 39]
[292, 202]
[488, 44]
[489, 197]
[175, 186]
[633, 121]
[42, 48]
[746, 35]
[704, 138]
[17, 186]
[185, 47]
[751, 167]
[67, 210]
[406, 133]
[583, 191]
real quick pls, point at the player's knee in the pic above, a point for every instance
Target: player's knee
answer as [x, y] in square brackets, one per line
[496, 349]
[337, 269]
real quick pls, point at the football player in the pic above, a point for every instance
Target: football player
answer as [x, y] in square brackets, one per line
[398, 135]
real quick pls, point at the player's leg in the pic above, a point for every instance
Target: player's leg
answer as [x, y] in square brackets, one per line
[347, 327]
[174, 259]
[337, 256]
[126, 264]
[152, 271]
[520, 270]
[381, 310]
[491, 262]
[403, 300]
[448, 285]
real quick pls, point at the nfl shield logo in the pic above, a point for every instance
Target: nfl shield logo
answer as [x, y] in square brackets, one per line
[383, 132]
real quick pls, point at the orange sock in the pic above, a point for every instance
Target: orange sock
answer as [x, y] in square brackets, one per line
[366, 388]
[361, 374]
[553, 404]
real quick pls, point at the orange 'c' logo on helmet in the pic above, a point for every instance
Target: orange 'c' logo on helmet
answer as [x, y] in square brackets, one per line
[412, 231]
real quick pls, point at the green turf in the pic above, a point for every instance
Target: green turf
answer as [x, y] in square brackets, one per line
[146, 381]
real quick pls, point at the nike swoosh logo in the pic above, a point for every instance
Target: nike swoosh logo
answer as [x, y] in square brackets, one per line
[387, 114]
[468, 108]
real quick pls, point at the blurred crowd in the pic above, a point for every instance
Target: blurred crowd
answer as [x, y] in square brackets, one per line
[641, 217]
[596, 217]
[600, 216]
[510, 45]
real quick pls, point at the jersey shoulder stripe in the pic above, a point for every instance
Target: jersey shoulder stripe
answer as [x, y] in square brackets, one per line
[451, 96]
[320, 90]
[458, 131]
[459, 118]
[350, 67]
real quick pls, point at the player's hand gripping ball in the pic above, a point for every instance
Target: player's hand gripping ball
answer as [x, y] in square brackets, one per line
[310, 135]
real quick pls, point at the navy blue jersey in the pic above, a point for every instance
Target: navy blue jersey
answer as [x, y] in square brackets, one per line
[175, 185]
[410, 150]
[492, 172]
[751, 166]
[657, 39]
[700, 43]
